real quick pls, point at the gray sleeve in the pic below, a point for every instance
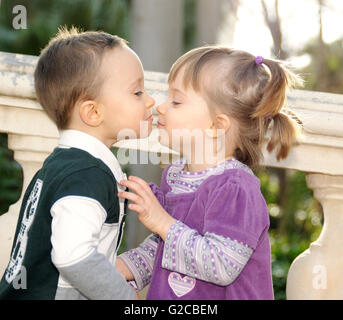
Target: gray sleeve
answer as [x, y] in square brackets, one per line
[97, 279]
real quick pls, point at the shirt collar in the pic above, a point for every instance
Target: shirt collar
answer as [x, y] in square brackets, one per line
[81, 140]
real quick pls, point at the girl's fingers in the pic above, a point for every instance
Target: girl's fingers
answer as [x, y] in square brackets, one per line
[136, 208]
[130, 196]
[135, 187]
[141, 182]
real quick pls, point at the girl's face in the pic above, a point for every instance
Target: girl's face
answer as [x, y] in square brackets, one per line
[184, 113]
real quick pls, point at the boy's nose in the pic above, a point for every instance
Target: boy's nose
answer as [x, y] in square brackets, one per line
[150, 102]
[161, 109]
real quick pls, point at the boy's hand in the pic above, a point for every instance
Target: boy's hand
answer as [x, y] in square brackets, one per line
[148, 208]
[123, 269]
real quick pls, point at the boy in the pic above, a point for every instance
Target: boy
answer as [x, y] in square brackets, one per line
[91, 84]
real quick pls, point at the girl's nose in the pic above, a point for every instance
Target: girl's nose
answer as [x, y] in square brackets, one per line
[161, 109]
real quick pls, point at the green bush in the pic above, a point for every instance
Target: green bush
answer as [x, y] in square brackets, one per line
[10, 177]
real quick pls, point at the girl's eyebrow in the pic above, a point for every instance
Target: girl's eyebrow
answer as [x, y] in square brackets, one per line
[177, 91]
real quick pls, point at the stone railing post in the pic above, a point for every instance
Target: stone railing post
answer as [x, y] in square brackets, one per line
[29, 153]
[317, 272]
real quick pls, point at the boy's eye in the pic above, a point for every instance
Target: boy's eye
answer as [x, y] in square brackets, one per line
[175, 103]
[138, 93]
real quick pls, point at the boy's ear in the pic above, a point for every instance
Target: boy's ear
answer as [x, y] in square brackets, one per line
[221, 127]
[90, 113]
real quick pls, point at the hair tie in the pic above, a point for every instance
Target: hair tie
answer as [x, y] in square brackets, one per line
[268, 116]
[259, 60]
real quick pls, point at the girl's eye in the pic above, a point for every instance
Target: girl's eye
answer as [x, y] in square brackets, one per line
[138, 93]
[175, 103]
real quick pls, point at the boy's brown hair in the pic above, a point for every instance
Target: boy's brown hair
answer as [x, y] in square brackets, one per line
[67, 70]
[252, 94]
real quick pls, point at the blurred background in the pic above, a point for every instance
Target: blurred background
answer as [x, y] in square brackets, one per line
[307, 33]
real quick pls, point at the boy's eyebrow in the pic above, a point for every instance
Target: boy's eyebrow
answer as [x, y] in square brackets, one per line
[140, 79]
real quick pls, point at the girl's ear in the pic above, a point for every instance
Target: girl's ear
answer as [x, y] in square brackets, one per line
[90, 113]
[223, 124]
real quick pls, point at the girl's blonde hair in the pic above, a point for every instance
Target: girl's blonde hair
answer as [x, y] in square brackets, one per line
[252, 93]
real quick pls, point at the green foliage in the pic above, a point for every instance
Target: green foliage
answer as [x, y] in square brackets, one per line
[325, 72]
[10, 177]
[44, 18]
[189, 33]
[285, 248]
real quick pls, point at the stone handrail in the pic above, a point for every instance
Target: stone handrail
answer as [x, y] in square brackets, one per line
[315, 274]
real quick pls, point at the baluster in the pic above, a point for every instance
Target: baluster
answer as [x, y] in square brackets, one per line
[317, 272]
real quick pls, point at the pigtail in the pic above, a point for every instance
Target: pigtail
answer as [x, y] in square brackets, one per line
[283, 134]
[269, 109]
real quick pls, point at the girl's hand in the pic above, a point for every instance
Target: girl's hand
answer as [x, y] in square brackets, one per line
[137, 295]
[123, 269]
[148, 208]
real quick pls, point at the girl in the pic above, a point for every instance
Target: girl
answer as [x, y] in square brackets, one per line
[209, 219]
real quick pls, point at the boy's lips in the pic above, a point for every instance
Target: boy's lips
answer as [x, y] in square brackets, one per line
[159, 124]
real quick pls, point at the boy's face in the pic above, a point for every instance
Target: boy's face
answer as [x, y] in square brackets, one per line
[125, 103]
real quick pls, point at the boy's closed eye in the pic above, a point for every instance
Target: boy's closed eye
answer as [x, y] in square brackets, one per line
[138, 93]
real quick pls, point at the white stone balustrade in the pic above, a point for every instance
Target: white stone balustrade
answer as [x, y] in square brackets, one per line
[315, 274]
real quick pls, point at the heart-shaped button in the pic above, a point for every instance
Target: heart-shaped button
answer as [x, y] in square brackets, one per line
[181, 285]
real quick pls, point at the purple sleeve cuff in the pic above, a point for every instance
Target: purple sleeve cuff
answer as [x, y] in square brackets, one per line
[140, 261]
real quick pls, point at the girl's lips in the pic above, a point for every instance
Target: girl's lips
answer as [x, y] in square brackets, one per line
[159, 124]
[149, 119]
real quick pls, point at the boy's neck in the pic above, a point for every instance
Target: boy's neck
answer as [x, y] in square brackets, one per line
[106, 141]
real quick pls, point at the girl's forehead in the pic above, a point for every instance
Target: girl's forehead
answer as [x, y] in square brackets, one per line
[191, 77]
[181, 81]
